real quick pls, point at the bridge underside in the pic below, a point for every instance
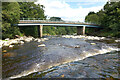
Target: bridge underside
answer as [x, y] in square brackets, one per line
[80, 27]
[55, 24]
[80, 30]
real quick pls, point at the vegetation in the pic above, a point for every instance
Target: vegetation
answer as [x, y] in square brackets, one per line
[12, 12]
[108, 18]
[55, 19]
[50, 30]
[29, 10]
[10, 15]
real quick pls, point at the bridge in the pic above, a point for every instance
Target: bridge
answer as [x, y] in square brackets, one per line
[40, 23]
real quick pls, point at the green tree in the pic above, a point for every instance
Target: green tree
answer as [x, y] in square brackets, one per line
[55, 19]
[30, 10]
[109, 18]
[10, 16]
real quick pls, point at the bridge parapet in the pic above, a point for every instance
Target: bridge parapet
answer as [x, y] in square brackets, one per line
[50, 21]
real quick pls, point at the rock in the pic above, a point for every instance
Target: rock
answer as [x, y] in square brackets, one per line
[45, 38]
[42, 40]
[77, 46]
[93, 43]
[38, 40]
[6, 55]
[28, 39]
[41, 45]
[17, 36]
[1, 43]
[102, 37]
[10, 54]
[14, 42]
[117, 40]
[21, 42]
[35, 39]
[4, 51]
[7, 39]
[11, 46]
[5, 44]
[62, 76]
[21, 38]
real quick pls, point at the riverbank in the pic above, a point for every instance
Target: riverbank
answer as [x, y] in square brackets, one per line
[21, 40]
[84, 37]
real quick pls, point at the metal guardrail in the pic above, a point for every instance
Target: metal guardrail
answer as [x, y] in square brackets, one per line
[42, 20]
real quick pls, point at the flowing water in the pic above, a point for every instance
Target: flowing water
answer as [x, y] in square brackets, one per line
[62, 58]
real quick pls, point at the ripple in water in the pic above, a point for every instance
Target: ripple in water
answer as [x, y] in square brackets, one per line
[58, 51]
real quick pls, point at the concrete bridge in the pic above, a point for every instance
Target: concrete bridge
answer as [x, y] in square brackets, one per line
[40, 23]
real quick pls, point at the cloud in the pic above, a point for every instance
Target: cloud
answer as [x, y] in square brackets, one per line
[62, 9]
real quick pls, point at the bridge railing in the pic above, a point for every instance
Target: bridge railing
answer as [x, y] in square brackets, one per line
[47, 20]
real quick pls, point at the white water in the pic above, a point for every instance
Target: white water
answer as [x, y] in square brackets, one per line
[84, 55]
[63, 50]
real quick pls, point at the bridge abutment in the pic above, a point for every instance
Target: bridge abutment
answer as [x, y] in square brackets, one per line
[81, 30]
[40, 32]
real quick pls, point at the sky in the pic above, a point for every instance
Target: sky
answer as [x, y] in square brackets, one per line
[71, 10]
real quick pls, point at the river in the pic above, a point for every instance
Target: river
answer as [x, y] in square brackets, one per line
[63, 58]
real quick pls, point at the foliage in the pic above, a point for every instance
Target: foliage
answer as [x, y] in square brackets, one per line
[12, 12]
[108, 18]
[55, 19]
[29, 30]
[50, 30]
[31, 10]
[10, 15]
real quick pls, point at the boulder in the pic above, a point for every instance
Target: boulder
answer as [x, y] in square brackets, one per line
[93, 43]
[7, 39]
[17, 36]
[21, 42]
[10, 46]
[77, 46]
[41, 45]
[38, 40]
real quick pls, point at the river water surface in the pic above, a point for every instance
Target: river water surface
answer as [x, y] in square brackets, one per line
[62, 58]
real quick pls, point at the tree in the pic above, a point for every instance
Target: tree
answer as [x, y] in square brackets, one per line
[108, 17]
[10, 16]
[92, 18]
[55, 19]
[29, 10]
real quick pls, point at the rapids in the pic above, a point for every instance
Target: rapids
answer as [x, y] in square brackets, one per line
[60, 55]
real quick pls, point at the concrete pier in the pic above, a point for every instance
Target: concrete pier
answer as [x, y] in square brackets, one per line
[40, 28]
[81, 30]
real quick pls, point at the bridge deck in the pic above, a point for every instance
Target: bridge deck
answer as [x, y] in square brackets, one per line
[55, 23]
[80, 25]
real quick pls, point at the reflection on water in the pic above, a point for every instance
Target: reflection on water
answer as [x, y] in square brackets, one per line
[62, 57]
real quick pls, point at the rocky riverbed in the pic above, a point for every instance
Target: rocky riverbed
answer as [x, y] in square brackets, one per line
[11, 42]
[53, 55]
[21, 40]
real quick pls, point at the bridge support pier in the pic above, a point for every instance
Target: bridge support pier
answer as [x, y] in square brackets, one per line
[40, 30]
[81, 30]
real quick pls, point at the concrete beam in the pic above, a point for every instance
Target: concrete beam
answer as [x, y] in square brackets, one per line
[81, 30]
[40, 28]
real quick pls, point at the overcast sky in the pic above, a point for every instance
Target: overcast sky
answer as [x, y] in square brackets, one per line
[71, 10]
